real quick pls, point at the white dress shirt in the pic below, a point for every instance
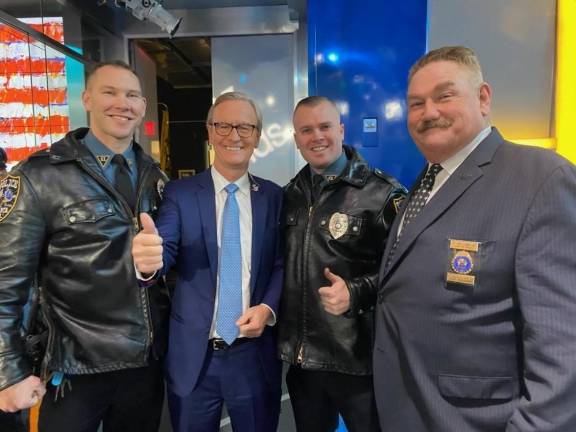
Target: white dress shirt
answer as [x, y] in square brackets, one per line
[450, 165]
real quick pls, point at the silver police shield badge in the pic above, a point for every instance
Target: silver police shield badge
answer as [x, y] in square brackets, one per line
[338, 225]
[9, 191]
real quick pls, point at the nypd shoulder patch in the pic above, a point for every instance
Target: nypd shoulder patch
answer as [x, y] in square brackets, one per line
[9, 192]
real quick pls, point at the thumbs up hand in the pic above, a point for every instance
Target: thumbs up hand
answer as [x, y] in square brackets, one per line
[336, 297]
[147, 247]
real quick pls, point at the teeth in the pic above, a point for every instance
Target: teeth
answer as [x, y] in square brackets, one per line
[233, 148]
[319, 149]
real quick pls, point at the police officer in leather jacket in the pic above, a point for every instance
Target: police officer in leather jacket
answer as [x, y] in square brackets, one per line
[64, 217]
[337, 215]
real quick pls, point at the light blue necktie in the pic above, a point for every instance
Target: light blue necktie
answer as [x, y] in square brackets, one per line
[230, 292]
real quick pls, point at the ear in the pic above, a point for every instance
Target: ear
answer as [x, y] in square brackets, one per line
[485, 98]
[258, 138]
[296, 141]
[145, 105]
[86, 99]
[342, 131]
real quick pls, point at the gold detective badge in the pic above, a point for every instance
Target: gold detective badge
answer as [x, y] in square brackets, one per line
[462, 261]
[338, 225]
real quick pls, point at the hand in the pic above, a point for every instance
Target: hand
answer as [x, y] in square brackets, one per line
[22, 395]
[336, 297]
[147, 247]
[253, 321]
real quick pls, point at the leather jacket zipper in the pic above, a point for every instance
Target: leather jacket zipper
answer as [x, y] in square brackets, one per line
[300, 354]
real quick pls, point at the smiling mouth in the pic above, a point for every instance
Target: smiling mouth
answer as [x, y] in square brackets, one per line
[234, 149]
[318, 149]
[121, 118]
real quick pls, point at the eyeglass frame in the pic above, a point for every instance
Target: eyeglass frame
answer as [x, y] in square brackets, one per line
[215, 125]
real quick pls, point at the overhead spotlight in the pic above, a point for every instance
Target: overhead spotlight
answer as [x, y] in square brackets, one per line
[153, 11]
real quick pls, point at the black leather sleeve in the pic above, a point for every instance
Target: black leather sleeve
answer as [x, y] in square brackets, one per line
[363, 289]
[22, 229]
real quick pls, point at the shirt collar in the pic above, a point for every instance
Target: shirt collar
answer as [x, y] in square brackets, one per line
[335, 168]
[452, 163]
[103, 154]
[220, 182]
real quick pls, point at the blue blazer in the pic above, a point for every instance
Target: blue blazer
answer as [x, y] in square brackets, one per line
[187, 224]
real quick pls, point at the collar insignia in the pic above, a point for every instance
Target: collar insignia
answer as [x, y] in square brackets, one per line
[398, 202]
[103, 159]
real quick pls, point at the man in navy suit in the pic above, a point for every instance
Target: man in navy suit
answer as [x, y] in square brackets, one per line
[209, 363]
[475, 327]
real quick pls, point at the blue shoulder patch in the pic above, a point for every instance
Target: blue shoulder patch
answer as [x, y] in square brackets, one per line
[9, 192]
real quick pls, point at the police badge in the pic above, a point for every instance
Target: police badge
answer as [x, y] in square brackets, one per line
[462, 262]
[338, 225]
[9, 192]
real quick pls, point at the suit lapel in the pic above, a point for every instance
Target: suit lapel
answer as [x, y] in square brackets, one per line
[207, 206]
[396, 222]
[259, 212]
[464, 177]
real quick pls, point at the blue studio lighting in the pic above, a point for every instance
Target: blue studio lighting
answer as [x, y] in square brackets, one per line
[333, 57]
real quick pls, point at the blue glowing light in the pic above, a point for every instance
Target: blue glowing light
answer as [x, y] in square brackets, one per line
[333, 57]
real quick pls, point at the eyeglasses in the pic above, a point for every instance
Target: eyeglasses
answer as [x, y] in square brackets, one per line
[244, 130]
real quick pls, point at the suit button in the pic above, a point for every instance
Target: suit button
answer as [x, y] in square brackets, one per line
[323, 222]
[361, 311]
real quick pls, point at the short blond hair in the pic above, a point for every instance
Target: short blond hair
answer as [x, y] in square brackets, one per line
[458, 54]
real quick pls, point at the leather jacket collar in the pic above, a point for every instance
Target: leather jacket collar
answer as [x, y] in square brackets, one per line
[356, 171]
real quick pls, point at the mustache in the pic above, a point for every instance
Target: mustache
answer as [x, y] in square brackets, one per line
[436, 123]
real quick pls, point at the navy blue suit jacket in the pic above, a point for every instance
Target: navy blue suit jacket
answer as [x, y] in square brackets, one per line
[491, 346]
[187, 224]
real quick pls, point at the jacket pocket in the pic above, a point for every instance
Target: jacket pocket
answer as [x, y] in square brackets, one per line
[474, 387]
[291, 218]
[89, 211]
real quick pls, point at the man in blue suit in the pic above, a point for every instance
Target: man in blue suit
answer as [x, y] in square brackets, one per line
[475, 327]
[219, 230]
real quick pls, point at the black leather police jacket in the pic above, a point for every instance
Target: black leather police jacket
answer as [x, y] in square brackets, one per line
[346, 230]
[71, 227]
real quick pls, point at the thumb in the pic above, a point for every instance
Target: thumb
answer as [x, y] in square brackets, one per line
[333, 278]
[244, 319]
[148, 225]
